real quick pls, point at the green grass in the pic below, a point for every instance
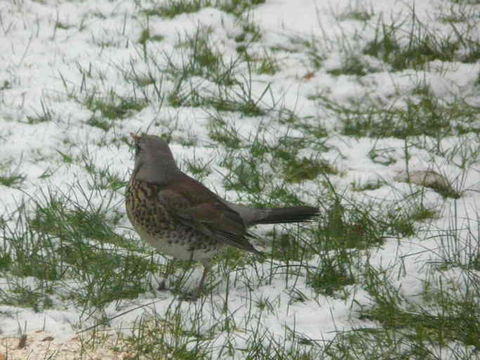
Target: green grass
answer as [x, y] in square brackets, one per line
[331, 276]
[220, 132]
[204, 60]
[445, 316]
[356, 11]
[6, 85]
[114, 107]
[104, 178]
[173, 8]
[146, 36]
[352, 65]
[108, 109]
[267, 65]
[238, 98]
[36, 296]
[238, 7]
[200, 58]
[370, 185]
[296, 171]
[64, 241]
[12, 180]
[423, 116]
[44, 115]
[417, 47]
[358, 226]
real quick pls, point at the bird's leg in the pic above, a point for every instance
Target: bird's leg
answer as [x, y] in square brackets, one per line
[162, 283]
[195, 294]
[206, 268]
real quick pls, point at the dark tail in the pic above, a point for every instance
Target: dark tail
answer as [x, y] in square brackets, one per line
[286, 215]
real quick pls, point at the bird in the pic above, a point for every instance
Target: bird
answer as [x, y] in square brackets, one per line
[182, 218]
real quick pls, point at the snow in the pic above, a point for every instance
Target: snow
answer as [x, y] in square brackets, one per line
[47, 68]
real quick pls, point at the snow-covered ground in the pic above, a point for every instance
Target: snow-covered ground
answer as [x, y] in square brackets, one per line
[242, 94]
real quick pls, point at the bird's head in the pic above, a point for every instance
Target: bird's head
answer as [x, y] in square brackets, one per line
[154, 161]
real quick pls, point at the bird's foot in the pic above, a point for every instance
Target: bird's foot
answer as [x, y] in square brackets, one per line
[189, 296]
[162, 285]
[192, 295]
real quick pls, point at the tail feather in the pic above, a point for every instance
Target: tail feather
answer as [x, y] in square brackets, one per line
[286, 215]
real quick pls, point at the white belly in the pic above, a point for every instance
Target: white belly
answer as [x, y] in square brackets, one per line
[179, 247]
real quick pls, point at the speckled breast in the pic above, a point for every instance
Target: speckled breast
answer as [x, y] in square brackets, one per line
[145, 212]
[156, 226]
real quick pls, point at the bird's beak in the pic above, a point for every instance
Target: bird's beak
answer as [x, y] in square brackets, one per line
[135, 137]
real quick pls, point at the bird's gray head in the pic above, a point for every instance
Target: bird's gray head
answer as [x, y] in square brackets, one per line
[154, 161]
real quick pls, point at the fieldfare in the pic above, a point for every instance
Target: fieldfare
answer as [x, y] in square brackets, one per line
[181, 218]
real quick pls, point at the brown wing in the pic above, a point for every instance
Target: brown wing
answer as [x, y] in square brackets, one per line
[193, 205]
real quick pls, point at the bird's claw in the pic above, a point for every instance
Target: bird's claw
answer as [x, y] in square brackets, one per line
[162, 286]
